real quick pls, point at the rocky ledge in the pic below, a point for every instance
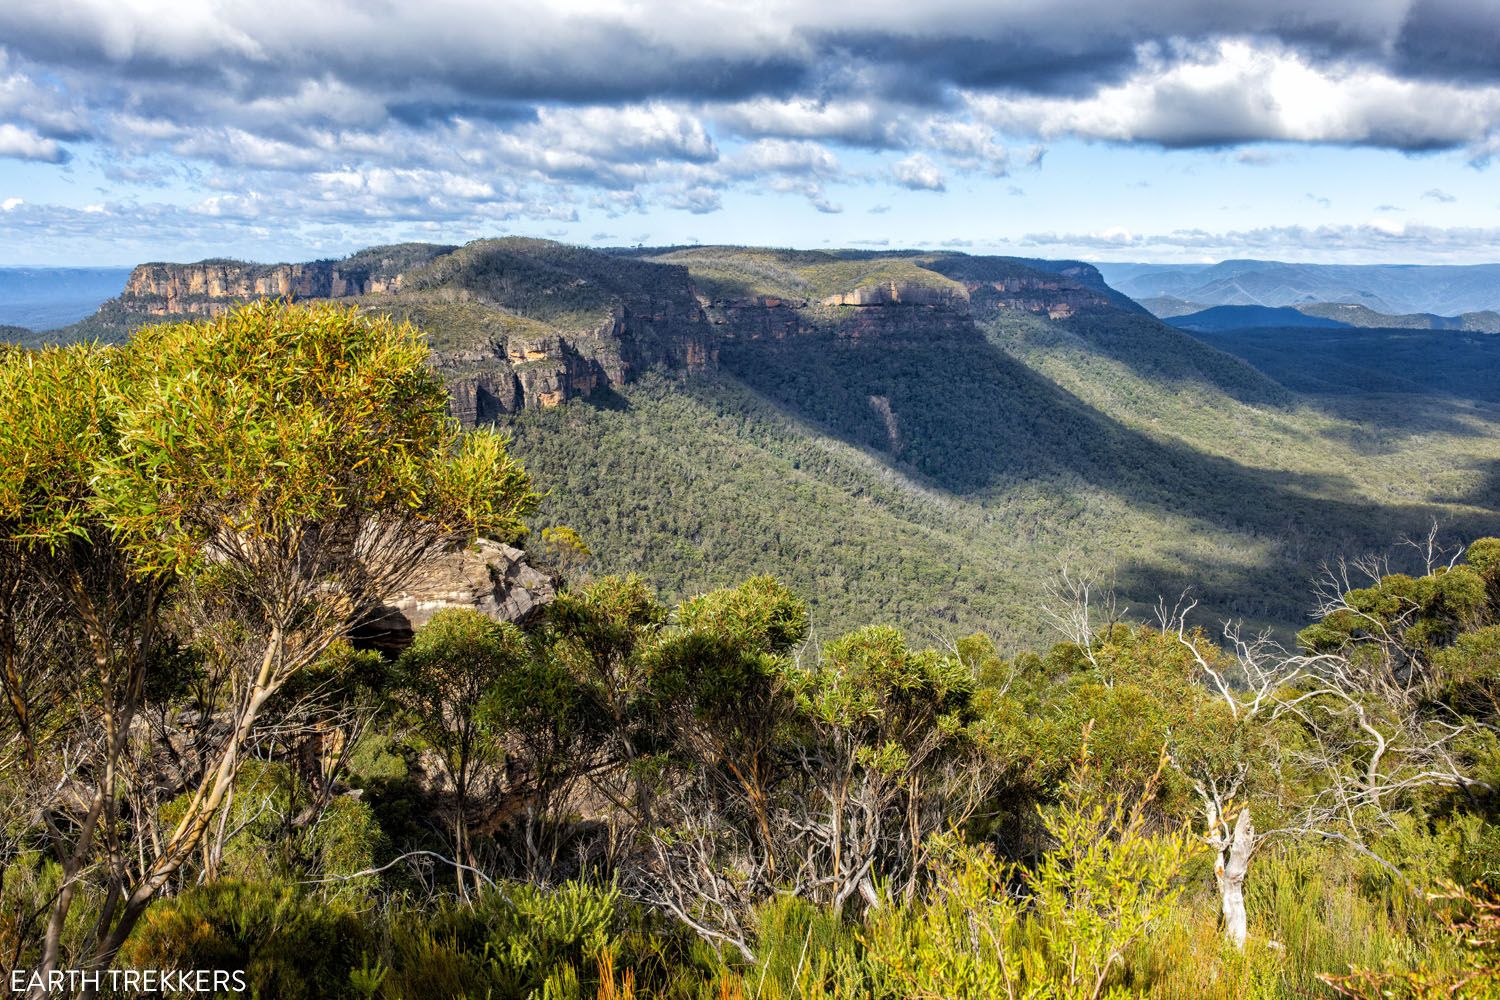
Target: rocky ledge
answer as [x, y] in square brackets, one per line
[492, 578]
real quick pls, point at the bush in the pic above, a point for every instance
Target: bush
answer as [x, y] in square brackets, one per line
[290, 945]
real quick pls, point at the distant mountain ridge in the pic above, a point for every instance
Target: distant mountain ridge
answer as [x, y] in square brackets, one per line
[1394, 289]
[520, 323]
[1487, 321]
[1217, 318]
[44, 298]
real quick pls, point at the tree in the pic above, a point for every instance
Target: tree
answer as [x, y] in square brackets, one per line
[599, 635]
[888, 761]
[1354, 722]
[285, 467]
[725, 713]
[449, 677]
[79, 621]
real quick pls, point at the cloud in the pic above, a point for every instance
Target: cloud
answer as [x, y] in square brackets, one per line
[1255, 158]
[1437, 194]
[1236, 91]
[23, 144]
[437, 111]
[697, 200]
[1378, 240]
[919, 173]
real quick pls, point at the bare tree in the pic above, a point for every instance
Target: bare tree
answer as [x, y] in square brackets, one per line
[1081, 607]
[1373, 735]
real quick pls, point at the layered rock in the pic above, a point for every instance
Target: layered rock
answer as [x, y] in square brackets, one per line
[761, 317]
[210, 288]
[887, 293]
[520, 324]
[540, 370]
[489, 577]
[1057, 298]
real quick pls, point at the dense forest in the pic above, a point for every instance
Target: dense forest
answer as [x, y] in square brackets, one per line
[935, 477]
[631, 795]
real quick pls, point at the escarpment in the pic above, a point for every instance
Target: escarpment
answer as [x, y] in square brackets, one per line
[519, 323]
[211, 287]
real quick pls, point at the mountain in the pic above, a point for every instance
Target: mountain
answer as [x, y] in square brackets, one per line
[1167, 306]
[43, 298]
[1393, 289]
[1352, 315]
[1217, 318]
[902, 436]
[1414, 363]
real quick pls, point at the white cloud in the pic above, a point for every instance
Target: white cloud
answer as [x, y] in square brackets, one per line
[1236, 91]
[1380, 239]
[919, 173]
[23, 144]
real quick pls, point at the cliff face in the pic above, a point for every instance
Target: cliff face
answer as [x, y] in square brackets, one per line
[207, 289]
[1057, 298]
[587, 323]
[520, 371]
[540, 324]
[518, 323]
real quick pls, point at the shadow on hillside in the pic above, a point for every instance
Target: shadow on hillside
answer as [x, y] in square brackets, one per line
[1486, 493]
[1152, 350]
[1379, 377]
[963, 415]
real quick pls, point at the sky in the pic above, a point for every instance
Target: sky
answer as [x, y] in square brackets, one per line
[1353, 131]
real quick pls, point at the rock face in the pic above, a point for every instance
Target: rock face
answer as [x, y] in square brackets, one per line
[521, 370]
[1057, 298]
[518, 323]
[210, 288]
[888, 293]
[492, 578]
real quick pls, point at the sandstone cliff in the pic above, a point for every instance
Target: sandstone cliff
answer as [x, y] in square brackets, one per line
[492, 578]
[519, 323]
[212, 286]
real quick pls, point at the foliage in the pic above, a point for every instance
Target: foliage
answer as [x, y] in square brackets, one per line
[1104, 886]
[289, 944]
[1472, 921]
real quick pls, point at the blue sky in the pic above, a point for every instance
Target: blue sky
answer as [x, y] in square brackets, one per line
[1159, 130]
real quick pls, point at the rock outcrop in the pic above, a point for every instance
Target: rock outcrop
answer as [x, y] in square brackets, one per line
[492, 578]
[519, 323]
[210, 287]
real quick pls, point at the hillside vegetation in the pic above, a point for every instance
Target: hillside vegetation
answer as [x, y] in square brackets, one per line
[936, 451]
[945, 470]
[621, 796]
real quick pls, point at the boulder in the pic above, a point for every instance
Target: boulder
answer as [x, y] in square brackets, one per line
[493, 578]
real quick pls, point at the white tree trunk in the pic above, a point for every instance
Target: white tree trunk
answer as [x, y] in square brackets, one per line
[1230, 866]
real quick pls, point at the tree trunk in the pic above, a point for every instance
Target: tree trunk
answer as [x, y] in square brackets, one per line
[1230, 868]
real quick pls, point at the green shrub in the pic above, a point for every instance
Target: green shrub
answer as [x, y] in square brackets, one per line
[290, 944]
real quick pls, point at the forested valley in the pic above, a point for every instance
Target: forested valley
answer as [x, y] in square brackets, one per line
[712, 792]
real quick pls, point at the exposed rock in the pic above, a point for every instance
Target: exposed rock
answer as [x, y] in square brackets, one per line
[534, 324]
[896, 293]
[212, 287]
[1058, 298]
[882, 406]
[490, 577]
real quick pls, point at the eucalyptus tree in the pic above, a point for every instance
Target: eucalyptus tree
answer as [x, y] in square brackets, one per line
[79, 621]
[448, 677]
[284, 469]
